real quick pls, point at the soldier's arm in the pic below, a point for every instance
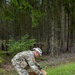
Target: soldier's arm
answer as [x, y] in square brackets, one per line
[39, 66]
[33, 66]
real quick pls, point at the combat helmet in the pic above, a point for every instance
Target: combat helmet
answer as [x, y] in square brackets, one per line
[38, 50]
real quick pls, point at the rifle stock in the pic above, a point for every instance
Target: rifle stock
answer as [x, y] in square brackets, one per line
[33, 73]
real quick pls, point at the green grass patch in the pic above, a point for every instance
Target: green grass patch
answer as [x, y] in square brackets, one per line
[67, 69]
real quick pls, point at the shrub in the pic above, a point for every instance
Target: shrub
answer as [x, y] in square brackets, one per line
[1, 60]
[21, 45]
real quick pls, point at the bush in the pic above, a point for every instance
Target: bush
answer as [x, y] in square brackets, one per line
[21, 45]
[1, 71]
[1, 61]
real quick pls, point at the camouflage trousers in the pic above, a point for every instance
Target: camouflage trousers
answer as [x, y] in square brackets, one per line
[19, 69]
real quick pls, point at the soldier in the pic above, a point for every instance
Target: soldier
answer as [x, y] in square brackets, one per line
[26, 59]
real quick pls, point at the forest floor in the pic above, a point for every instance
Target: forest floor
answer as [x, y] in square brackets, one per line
[47, 61]
[58, 60]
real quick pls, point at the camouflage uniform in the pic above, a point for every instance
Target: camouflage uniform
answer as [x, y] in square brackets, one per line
[24, 60]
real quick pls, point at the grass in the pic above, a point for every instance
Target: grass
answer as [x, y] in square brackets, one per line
[13, 72]
[67, 69]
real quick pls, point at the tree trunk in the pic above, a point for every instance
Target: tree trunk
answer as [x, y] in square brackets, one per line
[62, 28]
[52, 24]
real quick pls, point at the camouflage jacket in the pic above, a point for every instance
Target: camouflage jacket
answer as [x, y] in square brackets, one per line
[26, 58]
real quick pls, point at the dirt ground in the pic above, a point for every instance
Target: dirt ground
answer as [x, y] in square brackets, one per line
[61, 59]
[49, 61]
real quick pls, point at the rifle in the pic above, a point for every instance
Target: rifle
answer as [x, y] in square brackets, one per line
[33, 73]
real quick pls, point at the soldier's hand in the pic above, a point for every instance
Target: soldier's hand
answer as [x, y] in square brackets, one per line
[40, 67]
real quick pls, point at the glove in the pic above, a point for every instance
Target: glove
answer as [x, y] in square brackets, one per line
[41, 74]
[40, 67]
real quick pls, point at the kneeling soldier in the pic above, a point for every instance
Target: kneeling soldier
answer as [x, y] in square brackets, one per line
[26, 59]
